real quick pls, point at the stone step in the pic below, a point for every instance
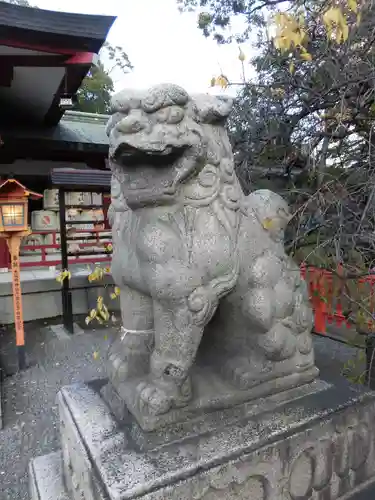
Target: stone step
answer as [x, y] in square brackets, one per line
[46, 478]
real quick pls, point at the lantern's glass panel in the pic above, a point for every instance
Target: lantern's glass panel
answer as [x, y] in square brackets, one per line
[13, 214]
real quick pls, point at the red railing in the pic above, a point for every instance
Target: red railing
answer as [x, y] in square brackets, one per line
[89, 258]
[336, 303]
[330, 297]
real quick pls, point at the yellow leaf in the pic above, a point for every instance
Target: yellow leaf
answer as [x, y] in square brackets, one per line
[290, 32]
[113, 296]
[332, 16]
[291, 67]
[267, 223]
[338, 36]
[345, 32]
[100, 303]
[117, 291]
[213, 82]
[335, 21]
[92, 314]
[104, 315]
[329, 32]
[99, 273]
[241, 55]
[306, 56]
[95, 355]
[65, 274]
[352, 4]
[222, 81]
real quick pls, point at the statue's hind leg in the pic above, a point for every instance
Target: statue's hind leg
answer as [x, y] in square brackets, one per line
[272, 301]
[129, 355]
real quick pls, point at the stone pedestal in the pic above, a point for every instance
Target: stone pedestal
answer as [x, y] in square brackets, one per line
[1, 398]
[314, 442]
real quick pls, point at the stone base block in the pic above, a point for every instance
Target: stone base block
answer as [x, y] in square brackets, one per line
[316, 442]
[211, 392]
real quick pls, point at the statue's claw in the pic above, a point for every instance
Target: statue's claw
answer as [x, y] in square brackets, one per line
[155, 400]
[152, 400]
[185, 394]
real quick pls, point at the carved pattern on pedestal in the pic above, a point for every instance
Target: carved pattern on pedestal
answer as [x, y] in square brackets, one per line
[237, 481]
[322, 465]
[254, 487]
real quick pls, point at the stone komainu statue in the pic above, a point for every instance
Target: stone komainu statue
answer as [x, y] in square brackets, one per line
[212, 307]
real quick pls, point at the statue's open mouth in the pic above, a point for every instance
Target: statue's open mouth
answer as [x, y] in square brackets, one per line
[154, 155]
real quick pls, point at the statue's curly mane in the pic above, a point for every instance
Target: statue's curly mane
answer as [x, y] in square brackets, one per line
[173, 137]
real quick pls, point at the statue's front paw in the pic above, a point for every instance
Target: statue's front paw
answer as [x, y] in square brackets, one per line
[152, 400]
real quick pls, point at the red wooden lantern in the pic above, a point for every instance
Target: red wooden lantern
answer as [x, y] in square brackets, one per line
[13, 227]
[13, 206]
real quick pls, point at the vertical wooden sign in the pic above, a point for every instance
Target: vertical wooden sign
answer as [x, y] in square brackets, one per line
[14, 242]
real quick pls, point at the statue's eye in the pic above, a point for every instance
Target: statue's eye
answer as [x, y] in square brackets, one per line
[130, 125]
[171, 115]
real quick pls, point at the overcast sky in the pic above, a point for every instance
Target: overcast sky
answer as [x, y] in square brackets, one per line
[163, 45]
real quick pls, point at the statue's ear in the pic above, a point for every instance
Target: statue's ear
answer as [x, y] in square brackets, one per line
[212, 109]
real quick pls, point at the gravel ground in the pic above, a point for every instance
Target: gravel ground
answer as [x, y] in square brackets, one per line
[30, 412]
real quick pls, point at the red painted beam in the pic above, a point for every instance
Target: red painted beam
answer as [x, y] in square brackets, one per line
[83, 58]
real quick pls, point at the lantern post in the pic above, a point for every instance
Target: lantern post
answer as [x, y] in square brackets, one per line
[14, 199]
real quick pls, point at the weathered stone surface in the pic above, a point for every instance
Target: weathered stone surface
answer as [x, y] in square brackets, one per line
[205, 281]
[46, 479]
[1, 398]
[317, 443]
[210, 392]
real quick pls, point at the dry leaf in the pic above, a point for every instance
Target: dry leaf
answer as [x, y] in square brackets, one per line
[268, 223]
